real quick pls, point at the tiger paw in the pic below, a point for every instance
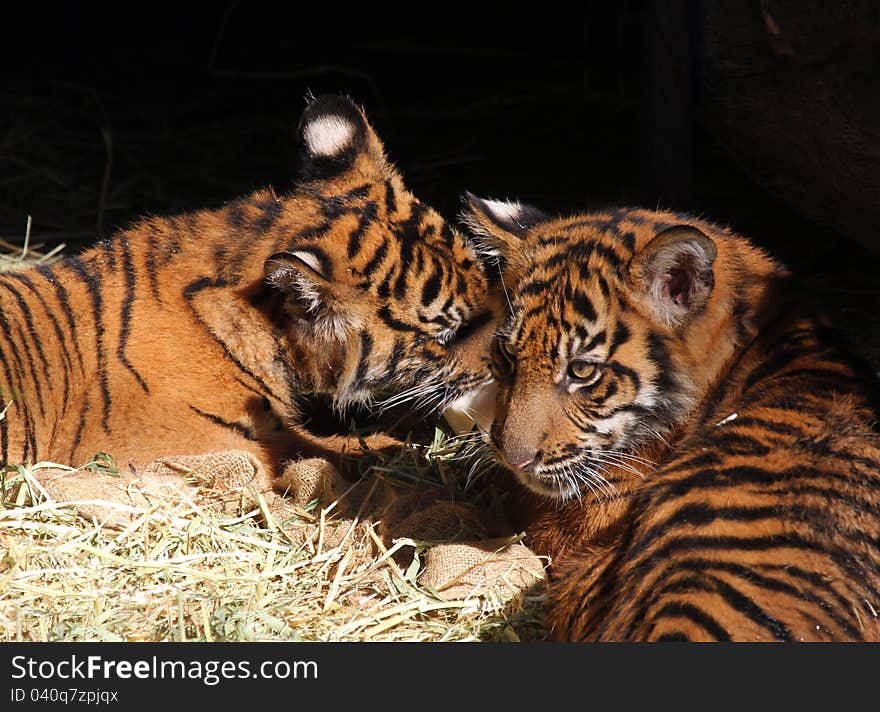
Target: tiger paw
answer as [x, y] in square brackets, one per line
[479, 568]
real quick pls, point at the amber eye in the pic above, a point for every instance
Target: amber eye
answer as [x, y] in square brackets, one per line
[584, 371]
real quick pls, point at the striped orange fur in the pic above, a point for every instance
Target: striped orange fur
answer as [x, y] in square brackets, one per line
[704, 451]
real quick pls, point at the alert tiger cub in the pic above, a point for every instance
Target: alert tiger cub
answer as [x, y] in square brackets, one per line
[705, 448]
[197, 333]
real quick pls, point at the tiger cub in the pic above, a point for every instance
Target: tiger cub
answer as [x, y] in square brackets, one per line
[197, 333]
[704, 446]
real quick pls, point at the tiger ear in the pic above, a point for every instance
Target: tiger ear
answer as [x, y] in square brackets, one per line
[334, 137]
[674, 273]
[306, 274]
[498, 226]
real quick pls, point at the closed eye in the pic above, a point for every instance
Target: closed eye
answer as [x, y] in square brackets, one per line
[472, 326]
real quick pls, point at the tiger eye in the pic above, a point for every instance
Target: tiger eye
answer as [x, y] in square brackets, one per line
[583, 371]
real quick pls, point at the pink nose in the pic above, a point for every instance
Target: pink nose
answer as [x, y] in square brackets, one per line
[529, 465]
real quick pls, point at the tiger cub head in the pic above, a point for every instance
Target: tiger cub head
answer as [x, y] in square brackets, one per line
[618, 324]
[384, 298]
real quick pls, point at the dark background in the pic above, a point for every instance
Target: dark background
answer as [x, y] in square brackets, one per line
[762, 115]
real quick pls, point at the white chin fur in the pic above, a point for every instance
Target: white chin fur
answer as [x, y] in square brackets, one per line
[328, 135]
[476, 407]
[556, 489]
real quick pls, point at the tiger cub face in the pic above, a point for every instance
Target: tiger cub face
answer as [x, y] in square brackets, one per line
[387, 297]
[618, 324]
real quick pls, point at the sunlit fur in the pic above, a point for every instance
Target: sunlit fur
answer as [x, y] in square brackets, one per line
[198, 332]
[724, 469]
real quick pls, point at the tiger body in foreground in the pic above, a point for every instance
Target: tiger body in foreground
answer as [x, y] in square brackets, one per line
[197, 333]
[704, 449]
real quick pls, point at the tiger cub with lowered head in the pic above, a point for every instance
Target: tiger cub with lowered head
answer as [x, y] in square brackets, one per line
[196, 333]
[706, 447]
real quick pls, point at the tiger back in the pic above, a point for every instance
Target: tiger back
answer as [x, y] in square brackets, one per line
[712, 443]
[198, 332]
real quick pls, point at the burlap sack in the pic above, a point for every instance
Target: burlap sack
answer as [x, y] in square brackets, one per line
[305, 481]
[165, 483]
[231, 479]
[466, 569]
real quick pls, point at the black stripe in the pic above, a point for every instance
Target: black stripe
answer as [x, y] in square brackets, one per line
[739, 602]
[664, 376]
[431, 287]
[621, 336]
[408, 235]
[4, 399]
[599, 338]
[32, 369]
[844, 559]
[270, 209]
[581, 303]
[622, 371]
[49, 275]
[67, 364]
[376, 260]
[92, 282]
[677, 637]
[535, 287]
[690, 612]
[821, 582]
[363, 359]
[243, 430]
[750, 576]
[390, 199]
[81, 424]
[125, 312]
[397, 354]
[355, 237]
[741, 475]
[774, 426]
[385, 315]
[384, 288]
[473, 324]
[29, 324]
[18, 375]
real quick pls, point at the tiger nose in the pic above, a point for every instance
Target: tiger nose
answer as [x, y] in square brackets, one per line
[529, 464]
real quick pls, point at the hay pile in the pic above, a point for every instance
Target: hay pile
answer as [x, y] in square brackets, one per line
[191, 568]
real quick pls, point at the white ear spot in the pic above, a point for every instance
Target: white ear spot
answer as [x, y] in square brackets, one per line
[310, 259]
[503, 210]
[328, 135]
